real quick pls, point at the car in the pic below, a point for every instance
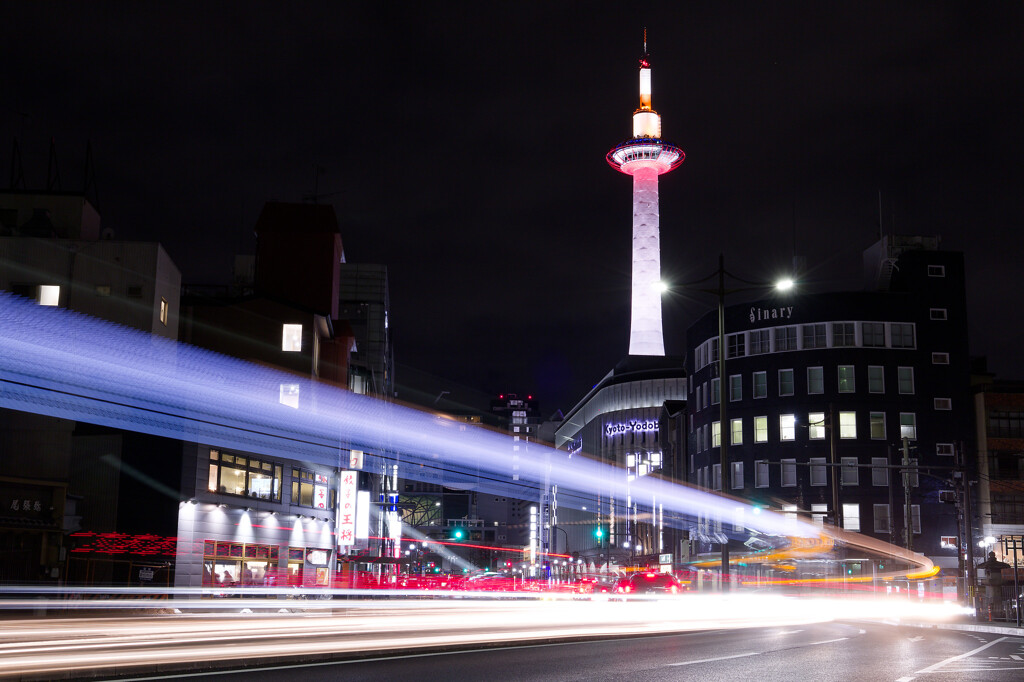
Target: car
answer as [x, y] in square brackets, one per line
[649, 583]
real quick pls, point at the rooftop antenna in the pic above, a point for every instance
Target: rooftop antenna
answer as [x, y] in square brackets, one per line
[645, 40]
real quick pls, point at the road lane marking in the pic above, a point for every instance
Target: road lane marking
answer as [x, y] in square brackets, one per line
[719, 658]
[938, 665]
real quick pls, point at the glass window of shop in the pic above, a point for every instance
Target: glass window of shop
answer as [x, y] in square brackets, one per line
[246, 476]
[310, 489]
[236, 564]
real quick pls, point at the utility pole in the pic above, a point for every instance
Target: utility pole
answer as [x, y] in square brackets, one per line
[908, 521]
[723, 429]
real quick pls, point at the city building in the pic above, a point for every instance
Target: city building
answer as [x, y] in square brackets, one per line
[999, 418]
[829, 394]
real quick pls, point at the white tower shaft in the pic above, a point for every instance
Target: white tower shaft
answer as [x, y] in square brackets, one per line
[645, 333]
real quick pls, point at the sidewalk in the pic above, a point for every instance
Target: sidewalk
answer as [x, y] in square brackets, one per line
[969, 624]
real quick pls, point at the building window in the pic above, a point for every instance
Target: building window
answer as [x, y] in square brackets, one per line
[761, 479]
[876, 379]
[246, 476]
[905, 375]
[760, 384]
[843, 334]
[789, 510]
[1005, 424]
[691, 423]
[716, 434]
[716, 473]
[760, 429]
[873, 334]
[736, 432]
[760, 342]
[716, 391]
[788, 473]
[292, 338]
[816, 426]
[700, 396]
[937, 313]
[736, 387]
[814, 336]
[787, 427]
[818, 512]
[940, 358]
[163, 311]
[818, 476]
[310, 489]
[707, 394]
[915, 518]
[944, 449]
[847, 425]
[942, 403]
[877, 421]
[785, 382]
[714, 351]
[736, 346]
[902, 334]
[815, 380]
[936, 270]
[908, 425]
[881, 512]
[849, 474]
[851, 517]
[49, 294]
[737, 475]
[847, 383]
[879, 471]
[785, 338]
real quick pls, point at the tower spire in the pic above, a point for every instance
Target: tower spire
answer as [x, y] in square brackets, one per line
[645, 157]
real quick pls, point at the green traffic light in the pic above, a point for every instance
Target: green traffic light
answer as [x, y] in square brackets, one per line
[457, 534]
[599, 533]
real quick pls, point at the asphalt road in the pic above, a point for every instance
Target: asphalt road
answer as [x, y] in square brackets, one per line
[823, 651]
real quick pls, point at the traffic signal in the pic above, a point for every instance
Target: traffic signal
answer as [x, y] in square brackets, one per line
[599, 533]
[458, 534]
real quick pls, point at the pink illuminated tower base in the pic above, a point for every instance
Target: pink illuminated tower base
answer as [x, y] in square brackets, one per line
[645, 157]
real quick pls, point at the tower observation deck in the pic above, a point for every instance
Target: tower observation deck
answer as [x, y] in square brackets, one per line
[645, 157]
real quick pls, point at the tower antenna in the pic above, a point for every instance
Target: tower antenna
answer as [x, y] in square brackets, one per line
[645, 40]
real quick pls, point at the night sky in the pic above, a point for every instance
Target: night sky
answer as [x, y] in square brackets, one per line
[463, 146]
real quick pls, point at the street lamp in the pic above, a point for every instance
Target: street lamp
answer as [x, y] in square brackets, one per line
[724, 433]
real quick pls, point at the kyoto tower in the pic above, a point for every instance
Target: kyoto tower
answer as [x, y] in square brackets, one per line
[645, 157]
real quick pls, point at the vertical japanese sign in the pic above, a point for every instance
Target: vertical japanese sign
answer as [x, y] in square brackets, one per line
[347, 508]
[355, 459]
[320, 491]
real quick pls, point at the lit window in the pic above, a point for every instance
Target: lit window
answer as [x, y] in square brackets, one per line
[851, 517]
[847, 383]
[288, 394]
[760, 429]
[876, 379]
[736, 432]
[816, 426]
[760, 384]
[818, 512]
[877, 421]
[847, 424]
[906, 380]
[815, 380]
[163, 310]
[785, 382]
[818, 476]
[716, 434]
[908, 425]
[49, 294]
[760, 341]
[787, 427]
[292, 338]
